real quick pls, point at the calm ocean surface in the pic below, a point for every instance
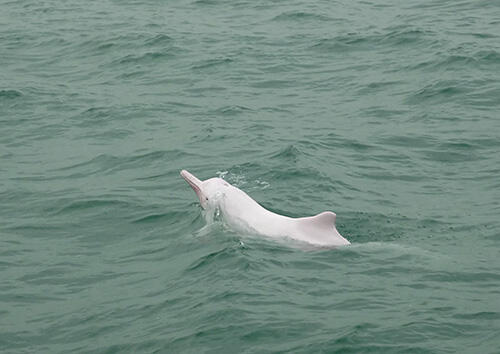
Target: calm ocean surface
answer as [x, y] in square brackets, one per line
[385, 112]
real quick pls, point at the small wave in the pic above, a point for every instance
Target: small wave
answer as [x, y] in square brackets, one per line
[207, 2]
[231, 110]
[484, 315]
[145, 58]
[290, 153]
[342, 43]
[79, 205]
[363, 227]
[295, 16]
[230, 257]
[392, 251]
[266, 84]
[10, 94]
[210, 63]
[402, 36]
[160, 39]
[155, 217]
[464, 277]
[457, 59]
[438, 91]
[101, 160]
[451, 155]
[97, 113]
[105, 46]
[488, 56]
[258, 128]
[409, 140]
[106, 163]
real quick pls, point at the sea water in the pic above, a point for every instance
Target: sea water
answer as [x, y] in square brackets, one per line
[385, 112]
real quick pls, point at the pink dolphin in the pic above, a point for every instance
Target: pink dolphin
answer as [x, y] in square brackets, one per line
[244, 214]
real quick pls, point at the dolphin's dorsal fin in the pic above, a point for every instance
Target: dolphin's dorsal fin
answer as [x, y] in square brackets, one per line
[323, 220]
[320, 229]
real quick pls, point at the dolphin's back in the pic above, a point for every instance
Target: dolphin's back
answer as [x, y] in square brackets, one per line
[243, 213]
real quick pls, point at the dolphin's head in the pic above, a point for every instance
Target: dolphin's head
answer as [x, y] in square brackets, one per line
[208, 191]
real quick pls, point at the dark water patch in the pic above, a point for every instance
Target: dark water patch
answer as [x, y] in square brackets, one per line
[153, 57]
[106, 163]
[404, 36]
[150, 157]
[9, 94]
[355, 340]
[450, 62]
[37, 229]
[160, 39]
[105, 46]
[378, 86]
[392, 271]
[357, 146]
[483, 35]
[277, 68]
[208, 136]
[439, 328]
[390, 176]
[52, 275]
[460, 61]
[283, 110]
[155, 218]
[227, 258]
[408, 141]
[259, 128]
[207, 2]
[154, 177]
[332, 140]
[298, 16]
[210, 63]
[94, 115]
[107, 135]
[273, 84]
[438, 92]
[150, 253]
[101, 162]
[451, 156]
[485, 315]
[92, 205]
[206, 90]
[82, 283]
[288, 173]
[362, 227]
[486, 278]
[19, 298]
[488, 57]
[457, 145]
[231, 110]
[13, 252]
[342, 43]
[115, 43]
[136, 74]
[288, 154]
[484, 98]
[393, 36]
[54, 41]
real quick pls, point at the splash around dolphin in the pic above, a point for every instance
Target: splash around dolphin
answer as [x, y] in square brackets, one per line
[243, 214]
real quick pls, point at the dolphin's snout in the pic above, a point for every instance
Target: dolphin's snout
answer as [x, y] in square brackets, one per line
[195, 183]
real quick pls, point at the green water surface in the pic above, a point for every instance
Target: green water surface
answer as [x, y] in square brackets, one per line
[385, 112]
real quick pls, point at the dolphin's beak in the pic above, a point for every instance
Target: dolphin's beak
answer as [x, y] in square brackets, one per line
[195, 183]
